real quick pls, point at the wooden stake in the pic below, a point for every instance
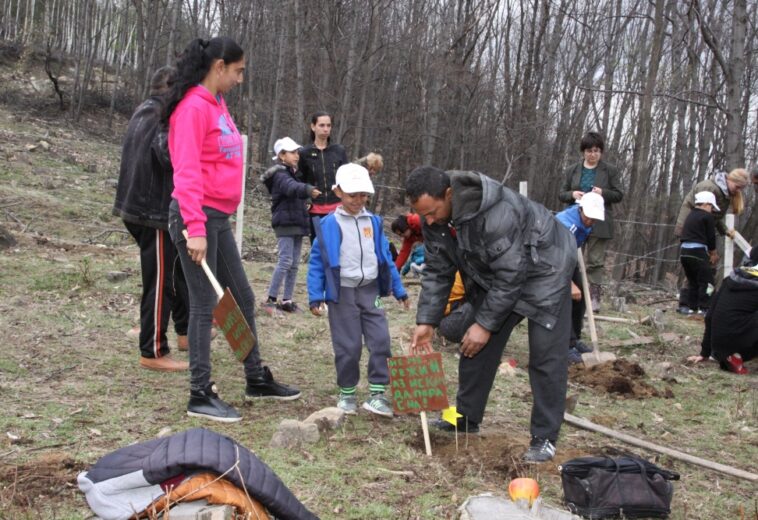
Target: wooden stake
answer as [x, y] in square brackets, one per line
[729, 470]
[427, 440]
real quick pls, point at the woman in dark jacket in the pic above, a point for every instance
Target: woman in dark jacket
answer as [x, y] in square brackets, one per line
[289, 218]
[142, 198]
[319, 162]
[593, 174]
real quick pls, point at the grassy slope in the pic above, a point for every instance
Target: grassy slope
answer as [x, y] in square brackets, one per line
[70, 383]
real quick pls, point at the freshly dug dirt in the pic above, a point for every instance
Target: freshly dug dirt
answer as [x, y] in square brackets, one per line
[498, 453]
[49, 476]
[617, 377]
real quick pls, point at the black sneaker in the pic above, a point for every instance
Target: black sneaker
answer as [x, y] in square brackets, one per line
[684, 310]
[208, 405]
[582, 347]
[540, 450]
[291, 307]
[464, 425]
[264, 387]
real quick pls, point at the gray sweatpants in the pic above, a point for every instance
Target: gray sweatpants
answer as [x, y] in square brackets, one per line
[354, 319]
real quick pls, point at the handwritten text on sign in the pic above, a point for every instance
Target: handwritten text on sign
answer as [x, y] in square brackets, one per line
[418, 383]
[233, 324]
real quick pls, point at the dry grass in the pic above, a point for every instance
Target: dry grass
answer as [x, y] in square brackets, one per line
[70, 386]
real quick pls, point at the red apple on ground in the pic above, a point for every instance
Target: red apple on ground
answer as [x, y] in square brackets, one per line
[524, 488]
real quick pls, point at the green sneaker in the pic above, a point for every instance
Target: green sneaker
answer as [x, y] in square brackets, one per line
[378, 404]
[348, 403]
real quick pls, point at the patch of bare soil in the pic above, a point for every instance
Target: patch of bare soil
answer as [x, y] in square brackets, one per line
[619, 377]
[49, 476]
[497, 453]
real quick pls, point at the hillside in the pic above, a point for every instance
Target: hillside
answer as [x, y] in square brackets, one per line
[72, 391]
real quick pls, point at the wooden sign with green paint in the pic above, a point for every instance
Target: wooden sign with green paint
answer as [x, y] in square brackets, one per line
[234, 326]
[418, 383]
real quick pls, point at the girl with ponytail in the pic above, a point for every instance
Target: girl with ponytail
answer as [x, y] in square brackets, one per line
[206, 153]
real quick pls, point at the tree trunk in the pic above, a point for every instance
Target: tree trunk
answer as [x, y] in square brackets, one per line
[299, 72]
[347, 88]
[278, 84]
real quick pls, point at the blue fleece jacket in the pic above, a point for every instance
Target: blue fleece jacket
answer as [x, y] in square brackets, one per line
[571, 219]
[324, 265]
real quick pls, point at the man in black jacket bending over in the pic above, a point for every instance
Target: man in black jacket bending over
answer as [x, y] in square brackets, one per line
[516, 261]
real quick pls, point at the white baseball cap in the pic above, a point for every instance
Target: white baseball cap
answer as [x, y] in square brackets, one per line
[706, 197]
[285, 144]
[593, 205]
[353, 178]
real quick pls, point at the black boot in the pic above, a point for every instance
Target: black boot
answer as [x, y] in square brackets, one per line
[464, 426]
[264, 387]
[208, 405]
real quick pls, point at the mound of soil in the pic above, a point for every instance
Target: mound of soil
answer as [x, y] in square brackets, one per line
[617, 377]
[38, 481]
[498, 453]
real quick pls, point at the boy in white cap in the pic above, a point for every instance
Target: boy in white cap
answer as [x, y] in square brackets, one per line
[579, 219]
[289, 218]
[350, 269]
[698, 254]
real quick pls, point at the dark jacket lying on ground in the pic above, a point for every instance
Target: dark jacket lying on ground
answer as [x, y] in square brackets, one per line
[126, 481]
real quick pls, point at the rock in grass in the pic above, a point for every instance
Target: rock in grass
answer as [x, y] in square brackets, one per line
[329, 418]
[292, 434]
[6, 239]
[116, 276]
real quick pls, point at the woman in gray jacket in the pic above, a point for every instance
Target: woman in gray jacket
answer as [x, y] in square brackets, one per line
[593, 174]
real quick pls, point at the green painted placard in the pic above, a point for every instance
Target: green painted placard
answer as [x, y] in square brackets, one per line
[417, 383]
[234, 326]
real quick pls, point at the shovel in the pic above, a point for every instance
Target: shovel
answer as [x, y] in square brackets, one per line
[229, 317]
[595, 357]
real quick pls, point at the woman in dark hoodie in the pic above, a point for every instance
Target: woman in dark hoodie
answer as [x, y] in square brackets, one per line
[319, 162]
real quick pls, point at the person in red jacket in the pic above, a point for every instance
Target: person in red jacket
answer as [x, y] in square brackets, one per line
[409, 227]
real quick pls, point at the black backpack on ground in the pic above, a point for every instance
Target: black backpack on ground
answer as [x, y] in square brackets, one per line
[604, 487]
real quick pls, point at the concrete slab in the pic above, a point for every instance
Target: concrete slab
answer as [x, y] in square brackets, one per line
[487, 507]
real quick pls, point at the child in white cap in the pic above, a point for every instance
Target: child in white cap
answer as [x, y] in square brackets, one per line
[579, 219]
[350, 269]
[698, 254]
[289, 218]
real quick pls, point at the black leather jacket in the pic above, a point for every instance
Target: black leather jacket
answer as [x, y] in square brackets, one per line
[146, 178]
[513, 255]
[319, 168]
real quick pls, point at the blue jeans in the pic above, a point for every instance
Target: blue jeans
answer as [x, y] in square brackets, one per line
[286, 267]
[224, 260]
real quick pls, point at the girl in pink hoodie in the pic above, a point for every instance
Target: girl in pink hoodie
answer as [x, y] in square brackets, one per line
[206, 153]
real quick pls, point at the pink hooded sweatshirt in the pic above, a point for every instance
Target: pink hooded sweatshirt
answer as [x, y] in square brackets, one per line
[206, 152]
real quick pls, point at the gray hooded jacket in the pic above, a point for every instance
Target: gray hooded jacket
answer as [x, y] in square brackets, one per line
[514, 256]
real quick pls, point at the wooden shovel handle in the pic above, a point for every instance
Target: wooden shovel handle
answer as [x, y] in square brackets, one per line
[588, 301]
[208, 272]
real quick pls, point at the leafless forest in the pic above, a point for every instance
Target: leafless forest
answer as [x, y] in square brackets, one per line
[506, 87]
